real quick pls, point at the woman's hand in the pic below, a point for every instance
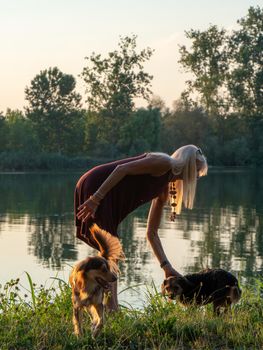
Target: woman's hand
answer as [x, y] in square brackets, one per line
[170, 271]
[87, 209]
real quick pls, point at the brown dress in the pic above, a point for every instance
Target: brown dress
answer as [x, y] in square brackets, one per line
[127, 195]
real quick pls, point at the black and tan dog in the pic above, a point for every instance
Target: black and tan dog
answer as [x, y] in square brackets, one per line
[90, 278]
[215, 286]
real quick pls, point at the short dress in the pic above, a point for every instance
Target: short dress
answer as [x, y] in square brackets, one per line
[127, 195]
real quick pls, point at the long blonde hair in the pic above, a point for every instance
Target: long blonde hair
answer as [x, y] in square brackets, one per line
[184, 164]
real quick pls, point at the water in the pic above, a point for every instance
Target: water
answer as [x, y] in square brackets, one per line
[224, 230]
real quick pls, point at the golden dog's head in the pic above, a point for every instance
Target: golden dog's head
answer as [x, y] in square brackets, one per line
[93, 270]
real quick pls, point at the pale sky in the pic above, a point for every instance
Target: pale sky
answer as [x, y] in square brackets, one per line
[38, 34]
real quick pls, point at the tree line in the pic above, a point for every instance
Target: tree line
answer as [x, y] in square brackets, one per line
[221, 109]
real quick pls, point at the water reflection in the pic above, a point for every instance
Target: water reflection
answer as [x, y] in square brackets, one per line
[224, 230]
[52, 240]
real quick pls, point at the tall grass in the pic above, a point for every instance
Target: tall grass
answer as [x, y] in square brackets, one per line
[41, 319]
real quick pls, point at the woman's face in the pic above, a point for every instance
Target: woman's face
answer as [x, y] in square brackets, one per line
[199, 167]
[199, 164]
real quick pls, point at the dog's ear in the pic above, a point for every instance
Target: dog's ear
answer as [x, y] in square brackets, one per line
[177, 285]
[174, 282]
[234, 294]
[79, 280]
[165, 282]
[164, 285]
[177, 289]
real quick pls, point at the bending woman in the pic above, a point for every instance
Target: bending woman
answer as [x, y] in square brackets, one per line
[106, 194]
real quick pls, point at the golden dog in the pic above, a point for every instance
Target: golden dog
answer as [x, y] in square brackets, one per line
[90, 278]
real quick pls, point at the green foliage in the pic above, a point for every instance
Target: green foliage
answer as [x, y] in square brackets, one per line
[20, 133]
[227, 67]
[3, 132]
[54, 110]
[182, 127]
[46, 322]
[138, 134]
[141, 132]
[207, 60]
[220, 111]
[51, 90]
[21, 161]
[113, 82]
[245, 80]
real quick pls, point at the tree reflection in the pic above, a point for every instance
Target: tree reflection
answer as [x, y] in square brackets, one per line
[229, 215]
[224, 230]
[52, 241]
[44, 203]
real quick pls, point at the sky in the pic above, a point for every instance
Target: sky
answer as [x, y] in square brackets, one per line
[38, 34]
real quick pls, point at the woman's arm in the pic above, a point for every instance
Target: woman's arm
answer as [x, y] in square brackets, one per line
[154, 219]
[153, 164]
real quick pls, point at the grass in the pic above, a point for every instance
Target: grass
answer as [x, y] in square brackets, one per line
[40, 318]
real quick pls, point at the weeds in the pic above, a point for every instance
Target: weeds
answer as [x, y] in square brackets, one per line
[40, 318]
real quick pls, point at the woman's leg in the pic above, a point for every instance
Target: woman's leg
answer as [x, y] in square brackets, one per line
[112, 304]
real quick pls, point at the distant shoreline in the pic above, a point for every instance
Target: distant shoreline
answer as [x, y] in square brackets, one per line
[21, 163]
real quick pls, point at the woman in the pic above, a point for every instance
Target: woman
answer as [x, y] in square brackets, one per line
[108, 193]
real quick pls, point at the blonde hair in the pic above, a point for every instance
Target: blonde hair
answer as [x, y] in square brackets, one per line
[184, 163]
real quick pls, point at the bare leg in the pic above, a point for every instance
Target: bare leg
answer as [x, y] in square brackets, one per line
[112, 304]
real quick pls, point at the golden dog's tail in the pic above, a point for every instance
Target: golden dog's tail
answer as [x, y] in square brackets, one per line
[110, 246]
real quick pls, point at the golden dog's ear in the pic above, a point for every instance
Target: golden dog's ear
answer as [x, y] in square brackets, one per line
[79, 280]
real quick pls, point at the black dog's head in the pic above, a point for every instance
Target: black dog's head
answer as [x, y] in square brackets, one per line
[173, 287]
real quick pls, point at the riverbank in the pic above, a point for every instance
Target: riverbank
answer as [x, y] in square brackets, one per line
[41, 319]
[23, 162]
[34, 162]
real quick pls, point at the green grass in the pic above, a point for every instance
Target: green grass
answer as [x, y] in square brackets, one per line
[41, 319]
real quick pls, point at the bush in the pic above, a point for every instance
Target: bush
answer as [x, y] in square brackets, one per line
[20, 161]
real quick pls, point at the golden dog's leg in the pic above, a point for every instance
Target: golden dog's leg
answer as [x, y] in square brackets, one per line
[97, 317]
[77, 321]
[100, 320]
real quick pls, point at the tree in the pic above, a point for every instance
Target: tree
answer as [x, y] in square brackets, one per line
[142, 132]
[54, 109]
[3, 133]
[227, 67]
[245, 78]
[207, 60]
[156, 102]
[112, 84]
[182, 126]
[21, 137]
